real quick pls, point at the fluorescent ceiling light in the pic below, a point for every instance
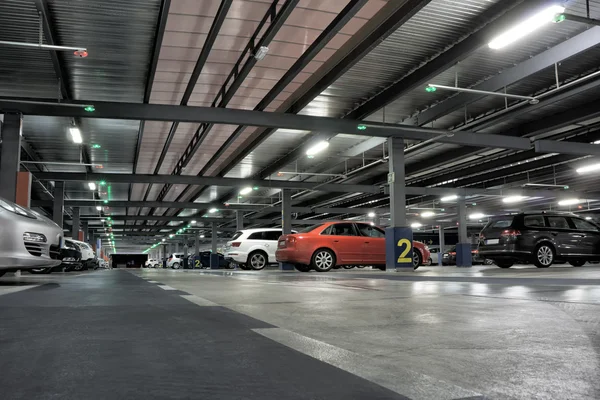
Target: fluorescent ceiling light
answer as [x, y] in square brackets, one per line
[371, 214]
[570, 202]
[75, 134]
[513, 199]
[164, 239]
[102, 220]
[416, 225]
[98, 208]
[317, 148]
[477, 216]
[588, 218]
[596, 142]
[213, 210]
[449, 198]
[527, 27]
[171, 235]
[201, 236]
[246, 190]
[92, 185]
[193, 222]
[589, 168]
[427, 214]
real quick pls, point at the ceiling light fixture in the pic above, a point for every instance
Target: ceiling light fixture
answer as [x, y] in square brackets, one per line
[201, 236]
[449, 198]
[98, 208]
[246, 191]
[588, 168]
[213, 210]
[193, 222]
[317, 148]
[588, 218]
[513, 199]
[527, 27]
[75, 134]
[92, 185]
[570, 202]
[427, 214]
[476, 216]
[371, 214]
[416, 225]
[261, 52]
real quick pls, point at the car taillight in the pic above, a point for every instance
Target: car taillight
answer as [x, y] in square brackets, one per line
[291, 239]
[236, 244]
[510, 233]
[452, 253]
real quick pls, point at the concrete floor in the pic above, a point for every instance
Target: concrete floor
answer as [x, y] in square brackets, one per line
[437, 333]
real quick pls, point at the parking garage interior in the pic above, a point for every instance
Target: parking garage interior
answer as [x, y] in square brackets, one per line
[452, 147]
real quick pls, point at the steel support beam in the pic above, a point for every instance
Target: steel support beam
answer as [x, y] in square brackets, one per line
[563, 147]
[239, 220]
[10, 156]
[155, 204]
[58, 206]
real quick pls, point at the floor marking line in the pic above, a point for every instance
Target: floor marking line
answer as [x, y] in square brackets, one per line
[166, 287]
[152, 281]
[199, 300]
[401, 380]
[15, 289]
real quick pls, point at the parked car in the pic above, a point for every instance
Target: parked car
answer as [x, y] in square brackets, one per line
[542, 238]
[253, 248]
[204, 260]
[151, 263]
[103, 264]
[88, 257]
[70, 256]
[175, 261]
[325, 246]
[28, 240]
[449, 257]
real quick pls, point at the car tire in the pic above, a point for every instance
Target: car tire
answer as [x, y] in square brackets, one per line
[323, 260]
[360, 266]
[504, 264]
[577, 263]
[302, 267]
[417, 259]
[175, 265]
[39, 271]
[258, 260]
[78, 267]
[544, 255]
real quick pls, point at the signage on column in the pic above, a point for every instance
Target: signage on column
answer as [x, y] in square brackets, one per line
[398, 248]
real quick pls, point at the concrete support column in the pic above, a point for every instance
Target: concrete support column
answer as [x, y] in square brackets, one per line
[197, 244]
[75, 228]
[58, 208]
[185, 254]
[286, 222]
[214, 257]
[84, 227]
[239, 220]
[176, 247]
[442, 245]
[398, 236]
[463, 248]
[10, 156]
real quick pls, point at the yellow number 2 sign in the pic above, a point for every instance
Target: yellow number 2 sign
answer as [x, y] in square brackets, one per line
[407, 245]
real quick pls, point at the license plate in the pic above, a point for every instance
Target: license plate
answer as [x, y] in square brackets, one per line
[492, 241]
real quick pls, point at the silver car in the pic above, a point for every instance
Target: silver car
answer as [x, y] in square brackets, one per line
[28, 240]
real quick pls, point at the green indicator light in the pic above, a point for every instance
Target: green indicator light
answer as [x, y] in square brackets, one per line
[90, 109]
[102, 183]
[362, 127]
[105, 201]
[310, 156]
[109, 218]
[566, 187]
[96, 146]
[430, 89]
[255, 188]
[558, 18]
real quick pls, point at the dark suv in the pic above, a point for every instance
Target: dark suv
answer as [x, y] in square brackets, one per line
[541, 238]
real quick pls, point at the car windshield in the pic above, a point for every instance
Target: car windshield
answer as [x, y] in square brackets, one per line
[309, 228]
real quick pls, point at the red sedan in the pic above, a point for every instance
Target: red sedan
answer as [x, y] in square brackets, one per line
[324, 246]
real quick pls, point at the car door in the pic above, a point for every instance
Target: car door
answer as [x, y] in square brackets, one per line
[271, 238]
[589, 237]
[344, 239]
[565, 238]
[374, 244]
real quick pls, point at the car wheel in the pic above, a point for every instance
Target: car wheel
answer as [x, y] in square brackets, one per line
[348, 266]
[257, 260]
[40, 271]
[487, 261]
[577, 263]
[504, 264]
[302, 267]
[175, 266]
[543, 256]
[323, 260]
[78, 267]
[417, 259]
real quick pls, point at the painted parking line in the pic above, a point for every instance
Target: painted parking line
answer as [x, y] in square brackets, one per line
[199, 300]
[152, 281]
[403, 381]
[166, 287]
[15, 289]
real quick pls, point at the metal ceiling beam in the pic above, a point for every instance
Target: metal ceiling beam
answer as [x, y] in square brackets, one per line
[206, 180]
[152, 204]
[563, 147]
[231, 116]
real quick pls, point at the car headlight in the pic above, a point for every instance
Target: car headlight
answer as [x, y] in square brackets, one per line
[16, 209]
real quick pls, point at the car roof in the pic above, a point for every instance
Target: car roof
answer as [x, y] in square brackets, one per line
[259, 230]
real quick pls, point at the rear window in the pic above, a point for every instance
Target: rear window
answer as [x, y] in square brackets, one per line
[256, 236]
[310, 228]
[236, 235]
[272, 235]
[501, 223]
